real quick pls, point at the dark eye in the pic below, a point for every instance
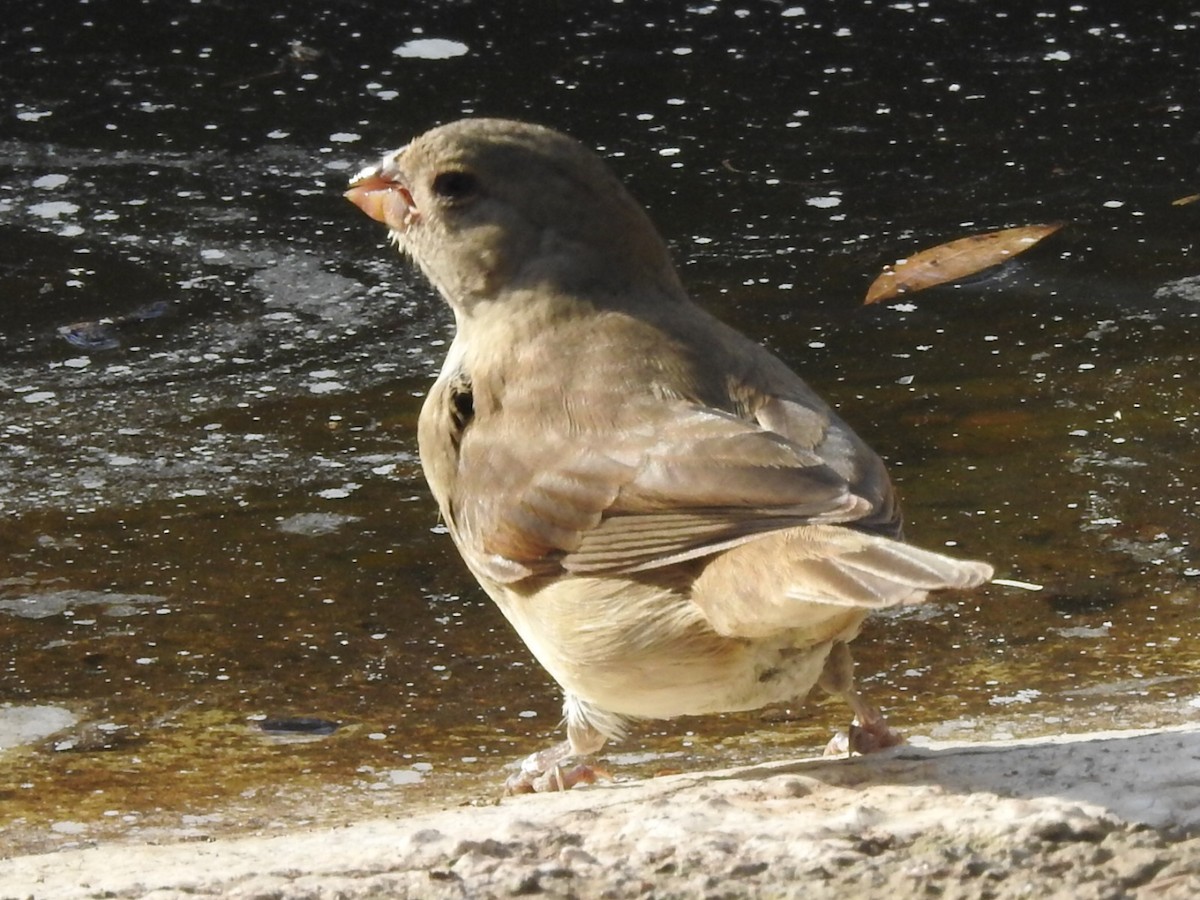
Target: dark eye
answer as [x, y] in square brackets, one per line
[455, 185]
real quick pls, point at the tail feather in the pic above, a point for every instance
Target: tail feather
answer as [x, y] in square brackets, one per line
[804, 576]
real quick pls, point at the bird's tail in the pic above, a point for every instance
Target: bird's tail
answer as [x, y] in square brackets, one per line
[802, 576]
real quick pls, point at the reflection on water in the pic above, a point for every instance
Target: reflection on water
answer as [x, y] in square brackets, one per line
[211, 370]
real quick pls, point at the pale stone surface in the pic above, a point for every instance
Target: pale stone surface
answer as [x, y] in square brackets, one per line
[1093, 816]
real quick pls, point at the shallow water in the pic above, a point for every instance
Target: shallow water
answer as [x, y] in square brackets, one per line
[211, 366]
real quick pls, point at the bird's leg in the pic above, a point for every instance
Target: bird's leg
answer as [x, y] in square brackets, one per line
[545, 769]
[869, 731]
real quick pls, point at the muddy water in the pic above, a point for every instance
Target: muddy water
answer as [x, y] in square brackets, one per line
[211, 367]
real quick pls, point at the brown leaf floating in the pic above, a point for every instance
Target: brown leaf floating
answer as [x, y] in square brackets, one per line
[956, 259]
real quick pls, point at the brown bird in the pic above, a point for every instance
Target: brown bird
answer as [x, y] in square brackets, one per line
[672, 520]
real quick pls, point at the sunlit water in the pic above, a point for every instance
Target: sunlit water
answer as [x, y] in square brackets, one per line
[212, 366]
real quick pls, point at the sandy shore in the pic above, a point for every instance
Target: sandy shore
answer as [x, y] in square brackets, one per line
[1102, 815]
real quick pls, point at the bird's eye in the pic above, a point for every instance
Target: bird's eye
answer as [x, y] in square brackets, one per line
[455, 184]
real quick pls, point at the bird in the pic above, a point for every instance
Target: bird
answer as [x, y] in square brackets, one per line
[670, 518]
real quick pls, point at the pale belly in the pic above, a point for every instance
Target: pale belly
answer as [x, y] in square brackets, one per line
[647, 652]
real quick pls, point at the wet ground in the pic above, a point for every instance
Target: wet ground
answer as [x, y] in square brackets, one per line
[211, 366]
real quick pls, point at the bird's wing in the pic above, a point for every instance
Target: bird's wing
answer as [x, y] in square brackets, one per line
[803, 419]
[665, 481]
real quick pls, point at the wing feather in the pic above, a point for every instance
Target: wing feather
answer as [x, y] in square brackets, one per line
[671, 481]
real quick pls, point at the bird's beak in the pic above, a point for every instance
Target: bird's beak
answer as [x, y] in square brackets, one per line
[383, 198]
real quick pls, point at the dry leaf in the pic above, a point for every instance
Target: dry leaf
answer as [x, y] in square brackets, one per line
[955, 260]
[1184, 201]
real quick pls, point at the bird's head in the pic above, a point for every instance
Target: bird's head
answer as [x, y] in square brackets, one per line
[492, 207]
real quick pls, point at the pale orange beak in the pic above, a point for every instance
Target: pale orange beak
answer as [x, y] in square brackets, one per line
[383, 199]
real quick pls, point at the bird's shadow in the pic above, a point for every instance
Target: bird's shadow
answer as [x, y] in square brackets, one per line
[1145, 778]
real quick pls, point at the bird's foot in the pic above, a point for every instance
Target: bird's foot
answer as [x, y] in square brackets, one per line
[546, 771]
[868, 733]
[557, 778]
[871, 737]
